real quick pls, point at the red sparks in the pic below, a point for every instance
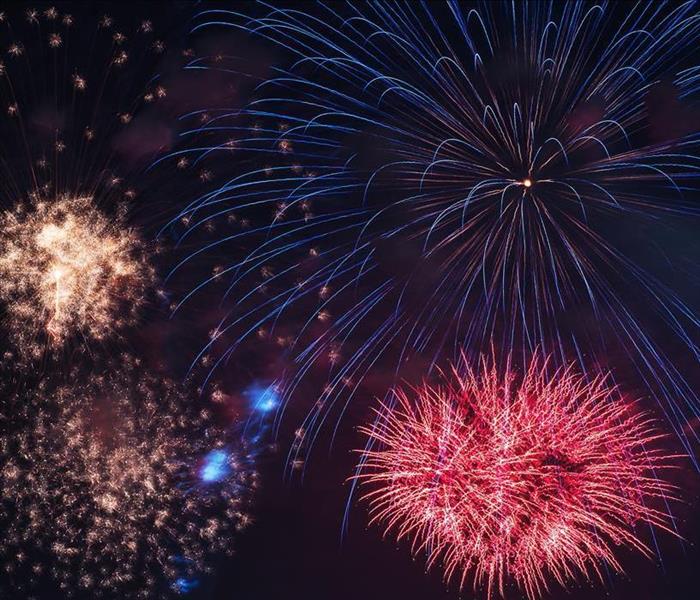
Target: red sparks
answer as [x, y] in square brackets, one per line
[505, 481]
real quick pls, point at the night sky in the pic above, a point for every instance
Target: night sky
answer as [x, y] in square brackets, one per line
[309, 538]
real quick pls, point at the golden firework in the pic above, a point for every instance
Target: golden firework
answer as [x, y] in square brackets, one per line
[120, 487]
[67, 270]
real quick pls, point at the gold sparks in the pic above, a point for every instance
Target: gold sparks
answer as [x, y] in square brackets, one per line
[68, 270]
[107, 479]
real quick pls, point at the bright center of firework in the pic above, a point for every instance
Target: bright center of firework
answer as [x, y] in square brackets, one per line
[69, 268]
[527, 182]
[215, 466]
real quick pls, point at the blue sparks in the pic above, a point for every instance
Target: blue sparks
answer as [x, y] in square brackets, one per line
[513, 191]
[215, 467]
[185, 586]
[263, 399]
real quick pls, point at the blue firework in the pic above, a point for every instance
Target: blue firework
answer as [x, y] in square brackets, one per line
[440, 177]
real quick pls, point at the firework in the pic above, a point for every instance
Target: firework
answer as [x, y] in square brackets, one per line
[516, 481]
[435, 177]
[121, 487]
[66, 270]
[73, 271]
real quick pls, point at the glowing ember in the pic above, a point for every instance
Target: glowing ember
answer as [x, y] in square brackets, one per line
[68, 270]
[505, 482]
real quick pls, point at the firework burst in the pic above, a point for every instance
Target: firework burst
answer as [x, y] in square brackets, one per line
[73, 271]
[121, 487]
[66, 270]
[435, 177]
[524, 481]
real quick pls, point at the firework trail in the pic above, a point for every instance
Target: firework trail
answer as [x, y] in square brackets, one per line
[433, 178]
[122, 487]
[516, 481]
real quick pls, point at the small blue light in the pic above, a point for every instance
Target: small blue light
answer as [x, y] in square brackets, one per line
[263, 399]
[215, 466]
[184, 586]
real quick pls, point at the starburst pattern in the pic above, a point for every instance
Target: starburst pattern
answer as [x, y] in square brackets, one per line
[505, 480]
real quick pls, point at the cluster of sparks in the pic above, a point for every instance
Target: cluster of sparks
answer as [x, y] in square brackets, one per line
[67, 270]
[439, 177]
[508, 481]
[70, 272]
[121, 487]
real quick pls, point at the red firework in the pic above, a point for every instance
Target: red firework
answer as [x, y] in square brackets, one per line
[504, 480]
